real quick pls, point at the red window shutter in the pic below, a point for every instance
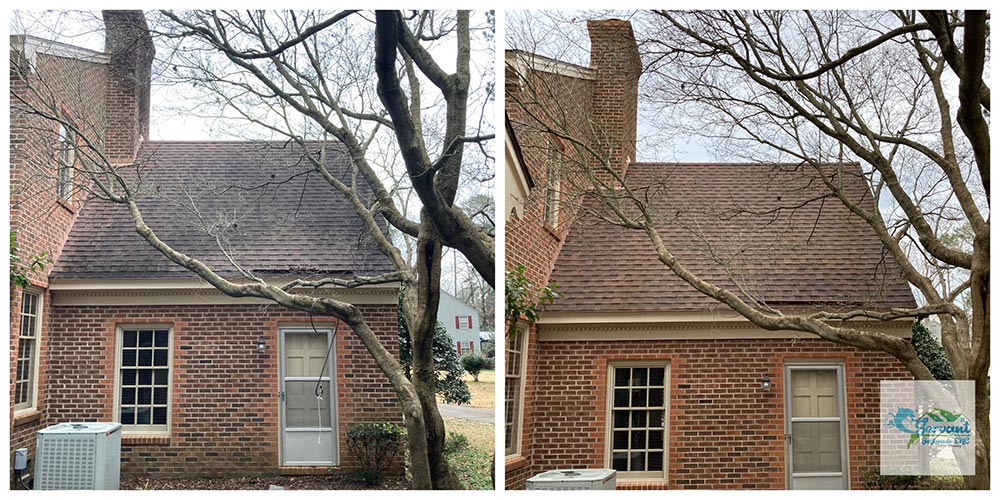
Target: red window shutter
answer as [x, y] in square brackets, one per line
[457, 322]
[459, 344]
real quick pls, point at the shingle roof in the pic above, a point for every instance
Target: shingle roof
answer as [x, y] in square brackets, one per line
[756, 220]
[274, 213]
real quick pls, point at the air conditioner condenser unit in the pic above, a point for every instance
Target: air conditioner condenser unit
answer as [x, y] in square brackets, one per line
[79, 456]
[574, 479]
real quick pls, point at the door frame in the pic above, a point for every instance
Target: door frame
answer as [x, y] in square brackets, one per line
[332, 399]
[838, 366]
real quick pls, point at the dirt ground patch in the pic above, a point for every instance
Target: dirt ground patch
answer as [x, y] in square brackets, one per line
[331, 482]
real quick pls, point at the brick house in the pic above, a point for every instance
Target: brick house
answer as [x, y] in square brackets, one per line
[113, 331]
[635, 370]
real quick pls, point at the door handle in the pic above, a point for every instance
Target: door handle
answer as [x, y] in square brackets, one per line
[281, 396]
[788, 437]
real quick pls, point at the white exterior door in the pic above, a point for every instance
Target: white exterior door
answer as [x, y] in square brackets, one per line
[307, 397]
[815, 427]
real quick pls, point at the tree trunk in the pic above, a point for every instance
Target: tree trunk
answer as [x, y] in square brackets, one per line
[422, 319]
[413, 414]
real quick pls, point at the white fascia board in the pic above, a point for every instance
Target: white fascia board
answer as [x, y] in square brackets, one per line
[30, 46]
[523, 62]
[554, 327]
[66, 292]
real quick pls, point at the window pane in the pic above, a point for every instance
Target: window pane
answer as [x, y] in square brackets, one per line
[621, 418]
[656, 376]
[145, 376]
[619, 461]
[656, 440]
[638, 419]
[142, 416]
[302, 408]
[816, 447]
[620, 440]
[655, 460]
[145, 357]
[146, 338]
[638, 398]
[128, 396]
[656, 418]
[639, 376]
[656, 397]
[128, 377]
[145, 395]
[161, 338]
[128, 415]
[621, 377]
[637, 461]
[130, 339]
[160, 357]
[160, 416]
[160, 395]
[638, 439]
[129, 357]
[160, 377]
[621, 398]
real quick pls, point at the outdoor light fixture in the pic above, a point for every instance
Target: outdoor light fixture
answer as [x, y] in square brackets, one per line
[765, 383]
[261, 346]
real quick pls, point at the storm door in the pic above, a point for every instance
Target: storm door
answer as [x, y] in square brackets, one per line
[307, 398]
[815, 427]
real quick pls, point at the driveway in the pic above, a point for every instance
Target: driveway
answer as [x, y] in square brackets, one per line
[467, 413]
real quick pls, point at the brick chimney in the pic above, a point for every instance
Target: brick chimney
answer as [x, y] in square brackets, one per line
[130, 46]
[614, 57]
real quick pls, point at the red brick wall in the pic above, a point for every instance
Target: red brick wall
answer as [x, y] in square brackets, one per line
[724, 430]
[615, 57]
[41, 221]
[224, 414]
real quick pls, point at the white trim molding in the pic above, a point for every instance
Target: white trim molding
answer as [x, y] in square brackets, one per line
[523, 62]
[561, 327]
[30, 46]
[67, 292]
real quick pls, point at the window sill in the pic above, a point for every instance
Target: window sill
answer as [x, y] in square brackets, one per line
[27, 416]
[146, 439]
[641, 484]
[515, 462]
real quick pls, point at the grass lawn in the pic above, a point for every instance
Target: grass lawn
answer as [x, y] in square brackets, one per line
[482, 391]
[473, 464]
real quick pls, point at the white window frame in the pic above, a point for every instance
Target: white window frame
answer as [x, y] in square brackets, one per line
[66, 160]
[655, 476]
[553, 165]
[521, 332]
[136, 429]
[32, 403]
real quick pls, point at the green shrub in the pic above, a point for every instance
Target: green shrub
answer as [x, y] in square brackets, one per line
[931, 353]
[375, 444]
[475, 363]
[448, 384]
[455, 443]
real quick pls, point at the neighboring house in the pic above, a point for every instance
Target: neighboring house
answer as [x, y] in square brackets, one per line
[204, 384]
[462, 322]
[635, 370]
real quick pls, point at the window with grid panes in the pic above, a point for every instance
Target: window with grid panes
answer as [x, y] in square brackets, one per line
[638, 420]
[552, 174]
[513, 390]
[27, 352]
[67, 160]
[144, 379]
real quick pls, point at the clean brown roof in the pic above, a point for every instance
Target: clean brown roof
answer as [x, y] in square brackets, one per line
[755, 229]
[263, 200]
